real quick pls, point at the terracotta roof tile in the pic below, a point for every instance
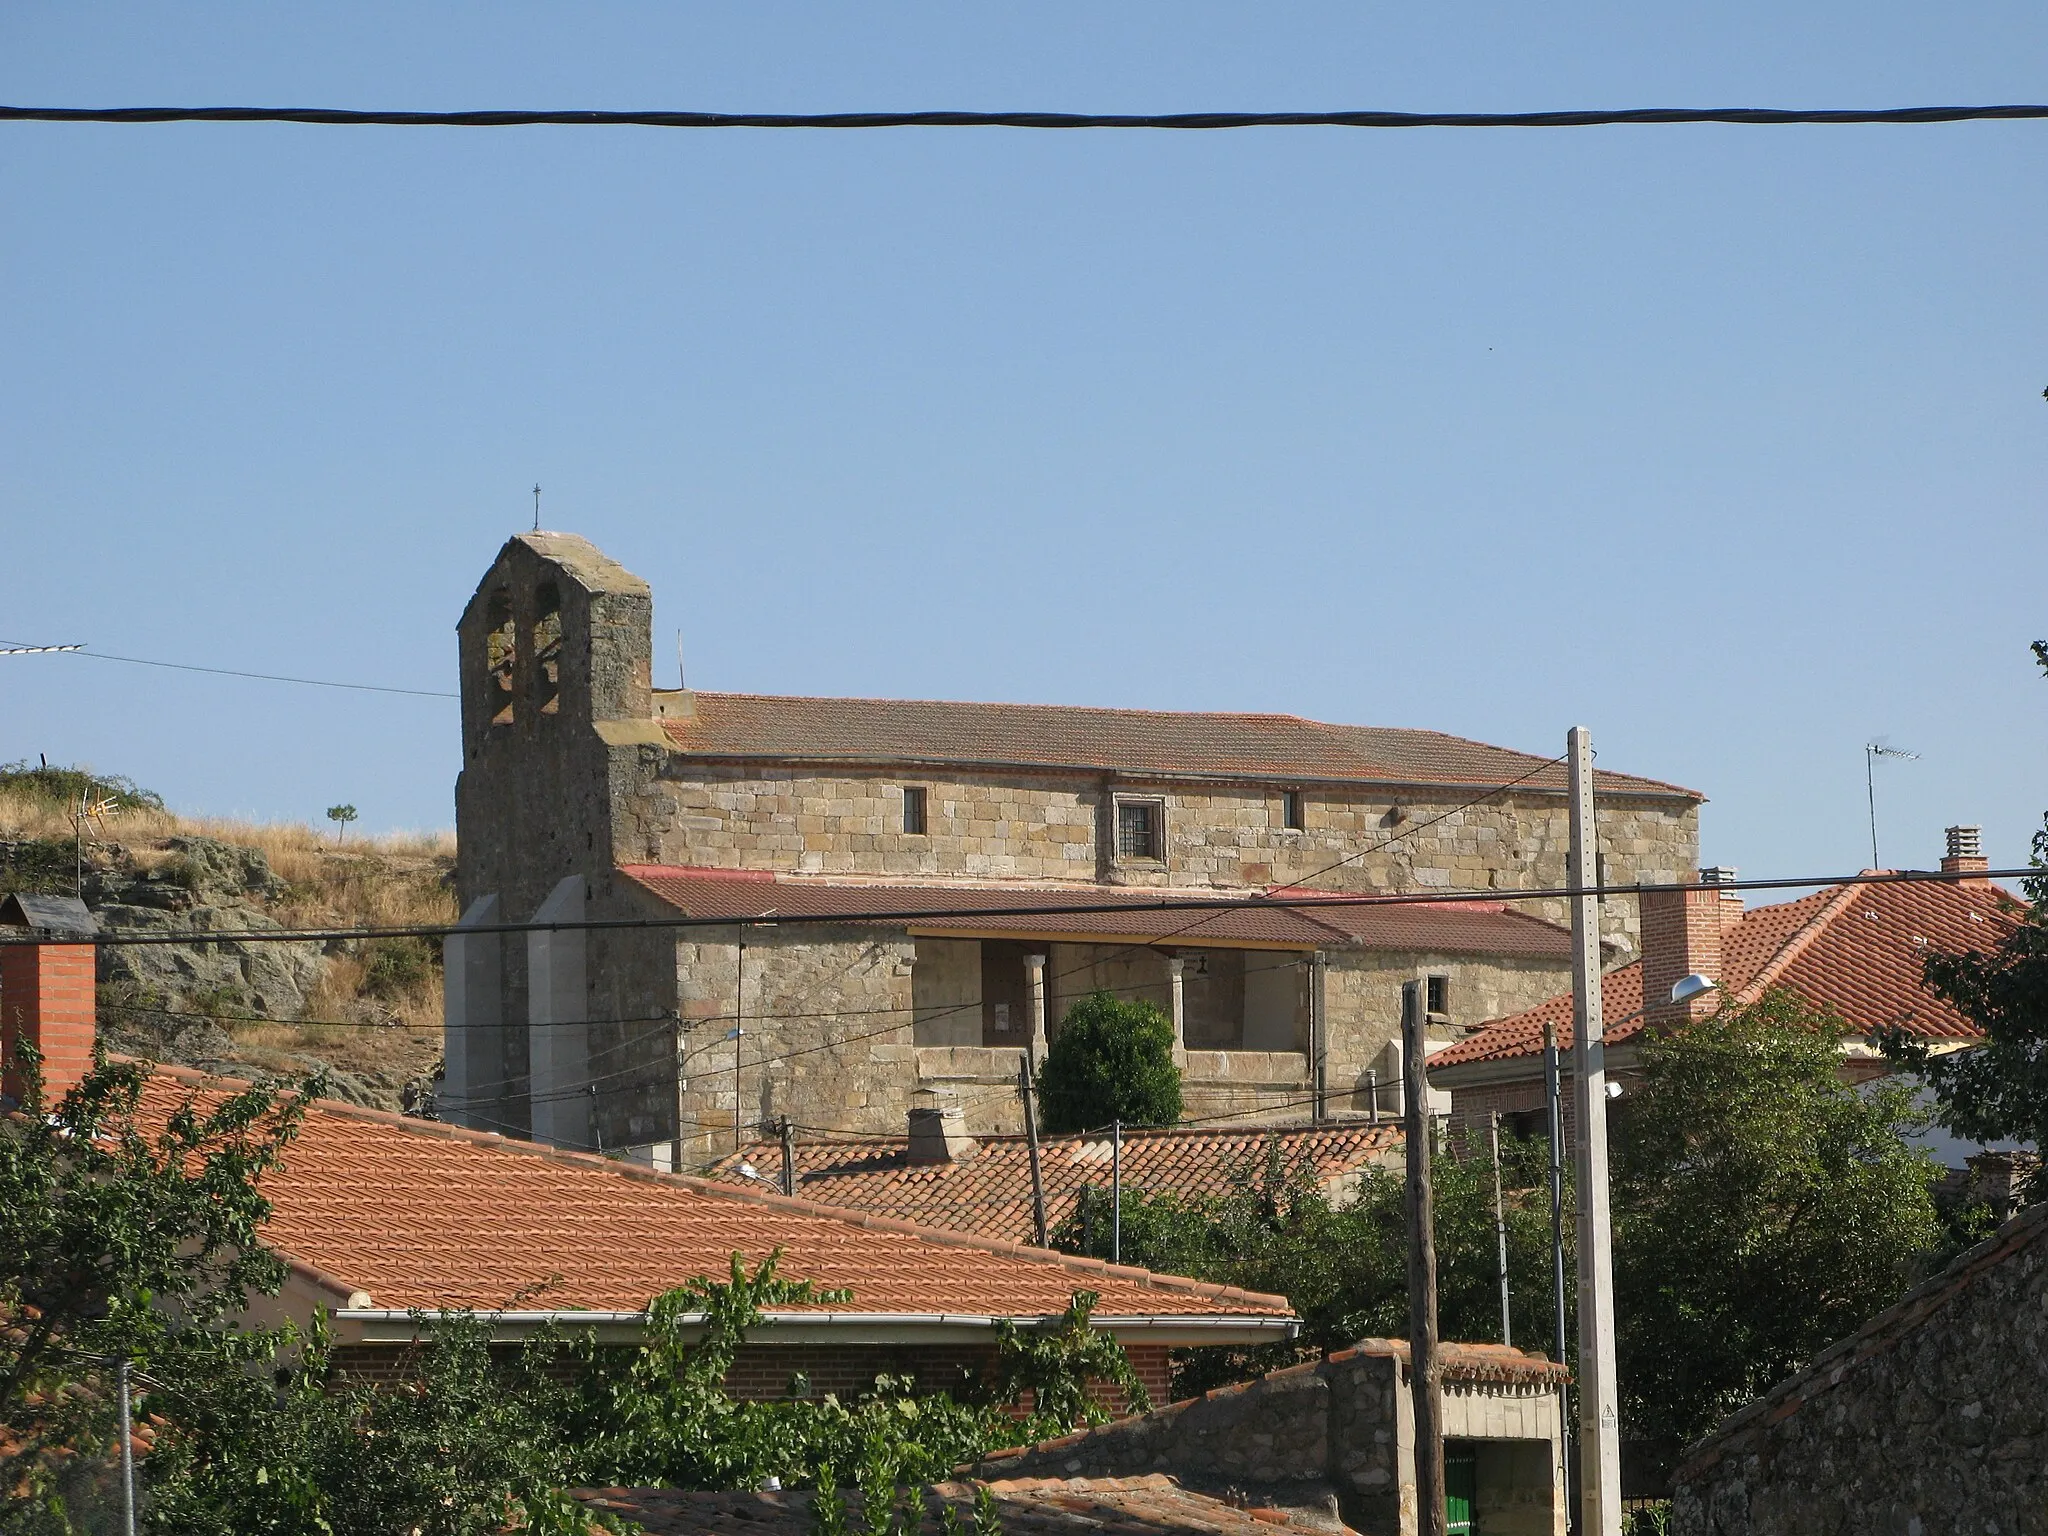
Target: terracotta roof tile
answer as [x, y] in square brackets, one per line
[1122, 1506]
[1135, 741]
[1854, 948]
[991, 1192]
[1245, 918]
[425, 1215]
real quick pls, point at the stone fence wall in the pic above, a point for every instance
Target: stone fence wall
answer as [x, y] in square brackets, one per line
[1932, 1419]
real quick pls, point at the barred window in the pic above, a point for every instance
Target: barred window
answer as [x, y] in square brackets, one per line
[1293, 814]
[1137, 829]
[913, 809]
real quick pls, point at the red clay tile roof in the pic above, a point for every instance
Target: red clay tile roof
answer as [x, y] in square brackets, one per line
[420, 1214]
[991, 1192]
[1853, 948]
[1028, 1506]
[1447, 927]
[1136, 741]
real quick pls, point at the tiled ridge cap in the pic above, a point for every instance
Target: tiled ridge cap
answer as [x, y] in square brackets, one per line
[1144, 1278]
[1798, 944]
[1874, 1338]
[1249, 1131]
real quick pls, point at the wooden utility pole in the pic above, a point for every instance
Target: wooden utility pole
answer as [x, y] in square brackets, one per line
[1424, 1371]
[1028, 1089]
[1599, 1416]
[1500, 1228]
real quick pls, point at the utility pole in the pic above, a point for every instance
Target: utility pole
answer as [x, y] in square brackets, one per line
[1116, 1191]
[1319, 1034]
[675, 1163]
[1553, 1099]
[1500, 1227]
[739, 1031]
[127, 1456]
[1599, 1416]
[1028, 1089]
[1424, 1371]
[788, 1157]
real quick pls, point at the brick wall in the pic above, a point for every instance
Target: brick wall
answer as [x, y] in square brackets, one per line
[46, 996]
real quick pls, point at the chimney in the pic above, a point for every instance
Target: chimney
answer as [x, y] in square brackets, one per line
[1682, 928]
[1724, 875]
[47, 959]
[1965, 854]
[938, 1133]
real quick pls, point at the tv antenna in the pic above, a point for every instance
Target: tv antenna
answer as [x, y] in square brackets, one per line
[1872, 751]
[536, 506]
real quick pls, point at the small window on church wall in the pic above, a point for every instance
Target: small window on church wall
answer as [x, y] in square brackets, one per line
[547, 651]
[914, 809]
[501, 654]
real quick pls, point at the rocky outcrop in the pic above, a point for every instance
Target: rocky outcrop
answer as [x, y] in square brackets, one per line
[212, 887]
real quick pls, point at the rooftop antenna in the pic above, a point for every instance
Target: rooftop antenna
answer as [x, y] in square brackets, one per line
[1872, 751]
[682, 678]
[536, 506]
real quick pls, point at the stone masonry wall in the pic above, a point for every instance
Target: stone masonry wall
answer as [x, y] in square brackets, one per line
[1931, 1420]
[1044, 826]
[1335, 1437]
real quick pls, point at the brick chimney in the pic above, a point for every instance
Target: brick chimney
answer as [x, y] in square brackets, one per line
[938, 1133]
[1682, 927]
[1965, 852]
[47, 960]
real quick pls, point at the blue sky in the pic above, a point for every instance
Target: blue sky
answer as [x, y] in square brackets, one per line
[1725, 442]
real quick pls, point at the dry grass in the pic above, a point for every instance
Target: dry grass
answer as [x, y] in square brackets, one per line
[379, 1005]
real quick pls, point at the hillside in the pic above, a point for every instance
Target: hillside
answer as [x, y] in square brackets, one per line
[370, 1011]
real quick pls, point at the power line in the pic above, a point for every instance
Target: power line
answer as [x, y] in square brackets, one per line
[1183, 121]
[263, 677]
[1209, 905]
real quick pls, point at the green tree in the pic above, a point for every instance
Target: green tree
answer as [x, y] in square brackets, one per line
[1342, 1264]
[1762, 1209]
[1998, 1090]
[121, 1240]
[1113, 1060]
[341, 816]
[131, 1230]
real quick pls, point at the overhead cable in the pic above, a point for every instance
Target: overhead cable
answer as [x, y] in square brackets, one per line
[1181, 121]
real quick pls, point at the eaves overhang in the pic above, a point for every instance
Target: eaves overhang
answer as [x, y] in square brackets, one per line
[397, 1326]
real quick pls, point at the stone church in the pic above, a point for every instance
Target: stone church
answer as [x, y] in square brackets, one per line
[808, 908]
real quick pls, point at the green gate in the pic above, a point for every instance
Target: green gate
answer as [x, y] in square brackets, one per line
[1461, 1477]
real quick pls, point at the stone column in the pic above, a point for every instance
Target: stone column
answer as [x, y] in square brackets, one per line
[557, 1032]
[473, 1019]
[1174, 967]
[1034, 978]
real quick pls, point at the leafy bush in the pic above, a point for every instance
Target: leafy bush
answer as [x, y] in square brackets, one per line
[395, 968]
[1113, 1060]
[62, 788]
[256, 1429]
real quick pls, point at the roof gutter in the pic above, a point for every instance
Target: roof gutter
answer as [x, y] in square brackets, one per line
[394, 1325]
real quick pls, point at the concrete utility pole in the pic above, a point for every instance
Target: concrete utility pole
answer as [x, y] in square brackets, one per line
[1424, 1371]
[1599, 1419]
